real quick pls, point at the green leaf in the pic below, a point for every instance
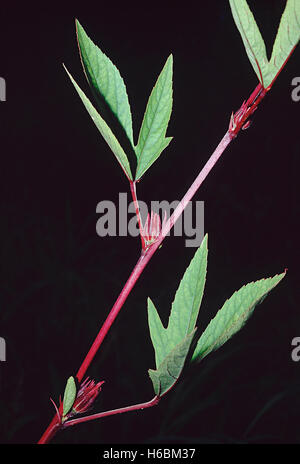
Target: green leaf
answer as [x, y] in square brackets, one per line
[158, 334]
[69, 395]
[288, 35]
[103, 129]
[105, 79]
[251, 36]
[185, 307]
[152, 140]
[170, 369]
[233, 315]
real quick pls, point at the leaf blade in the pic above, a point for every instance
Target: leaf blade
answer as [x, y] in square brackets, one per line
[167, 374]
[152, 140]
[251, 37]
[69, 395]
[185, 307]
[105, 79]
[157, 333]
[104, 129]
[233, 314]
[288, 36]
[188, 297]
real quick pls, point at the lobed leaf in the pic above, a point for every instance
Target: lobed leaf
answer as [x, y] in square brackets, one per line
[233, 315]
[170, 369]
[251, 36]
[104, 129]
[69, 395]
[105, 79]
[288, 35]
[152, 140]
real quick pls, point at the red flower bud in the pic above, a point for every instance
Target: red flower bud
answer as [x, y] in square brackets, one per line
[87, 393]
[152, 228]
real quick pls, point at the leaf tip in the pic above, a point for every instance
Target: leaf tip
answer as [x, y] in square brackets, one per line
[65, 68]
[77, 24]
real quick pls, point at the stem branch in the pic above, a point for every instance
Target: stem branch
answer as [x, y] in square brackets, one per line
[134, 407]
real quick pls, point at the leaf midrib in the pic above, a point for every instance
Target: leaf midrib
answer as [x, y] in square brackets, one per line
[107, 79]
[249, 45]
[234, 323]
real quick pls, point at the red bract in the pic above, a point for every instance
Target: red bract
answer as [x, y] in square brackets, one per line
[88, 392]
[151, 230]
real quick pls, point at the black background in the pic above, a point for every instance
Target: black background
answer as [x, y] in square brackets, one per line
[58, 279]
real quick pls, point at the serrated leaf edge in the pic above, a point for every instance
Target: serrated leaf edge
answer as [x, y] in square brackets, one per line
[235, 322]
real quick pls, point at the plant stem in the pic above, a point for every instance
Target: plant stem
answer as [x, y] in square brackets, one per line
[134, 407]
[137, 209]
[147, 254]
[51, 430]
[196, 184]
[137, 271]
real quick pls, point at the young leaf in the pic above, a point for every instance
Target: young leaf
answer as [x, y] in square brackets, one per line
[170, 369]
[105, 79]
[152, 140]
[233, 315]
[104, 129]
[185, 307]
[69, 395]
[288, 35]
[251, 36]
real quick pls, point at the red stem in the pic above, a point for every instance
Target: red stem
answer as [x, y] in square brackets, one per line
[137, 210]
[196, 184]
[147, 254]
[134, 407]
[51, 430]
[138, 269]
